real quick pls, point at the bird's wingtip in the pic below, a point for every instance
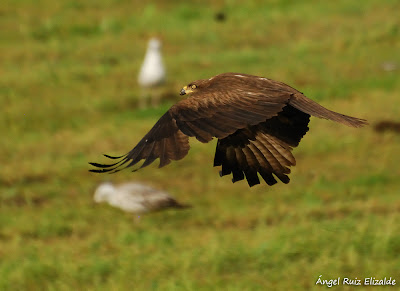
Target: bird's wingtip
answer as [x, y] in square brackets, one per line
[98, 170]
[112, 157]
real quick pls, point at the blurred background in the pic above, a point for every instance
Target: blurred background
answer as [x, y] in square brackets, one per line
[69, 93]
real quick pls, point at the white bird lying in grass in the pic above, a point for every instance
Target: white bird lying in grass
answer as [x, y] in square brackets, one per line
[152, 73]
[135, 198]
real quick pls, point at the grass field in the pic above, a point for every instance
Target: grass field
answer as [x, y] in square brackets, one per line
[68, 92]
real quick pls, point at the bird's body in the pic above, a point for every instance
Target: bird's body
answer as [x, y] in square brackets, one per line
[135, 197]
[152, 72]
[257, 122]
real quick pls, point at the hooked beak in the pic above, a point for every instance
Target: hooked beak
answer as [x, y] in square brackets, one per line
[186, 90]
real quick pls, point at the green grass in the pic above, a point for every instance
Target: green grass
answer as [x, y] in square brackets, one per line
[68, 93]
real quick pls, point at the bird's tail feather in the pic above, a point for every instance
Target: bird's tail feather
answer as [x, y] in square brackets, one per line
[311, 107]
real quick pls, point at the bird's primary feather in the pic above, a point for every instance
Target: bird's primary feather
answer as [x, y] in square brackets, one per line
[257, 121]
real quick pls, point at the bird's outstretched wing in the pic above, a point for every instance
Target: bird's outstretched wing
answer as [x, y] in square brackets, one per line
[265, 148]
[164, 141]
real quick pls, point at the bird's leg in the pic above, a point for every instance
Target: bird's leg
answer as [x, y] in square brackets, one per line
[155, 101]
[142, 102]
[156, 97]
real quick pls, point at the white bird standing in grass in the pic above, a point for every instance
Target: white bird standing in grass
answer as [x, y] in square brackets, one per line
[152, 73]
[135, 198]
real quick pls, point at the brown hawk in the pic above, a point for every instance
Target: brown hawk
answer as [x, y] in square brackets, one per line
[257, 121]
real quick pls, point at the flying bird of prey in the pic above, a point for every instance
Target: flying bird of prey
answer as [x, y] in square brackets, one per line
[135, 197]
[257, 122]
[152, 73]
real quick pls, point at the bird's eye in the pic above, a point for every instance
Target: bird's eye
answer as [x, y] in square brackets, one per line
[193, 86]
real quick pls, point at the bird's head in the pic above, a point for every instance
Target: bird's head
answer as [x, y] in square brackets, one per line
[195, 86]
[154, 44]
[104, 192]
[188, 89]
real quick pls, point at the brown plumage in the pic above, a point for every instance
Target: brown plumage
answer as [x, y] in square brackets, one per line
[257, 122]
